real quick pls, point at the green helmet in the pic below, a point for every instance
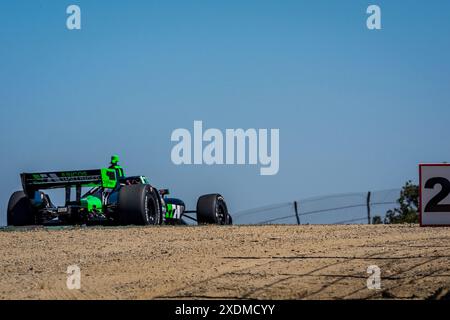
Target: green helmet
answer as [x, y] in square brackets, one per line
[114, 159]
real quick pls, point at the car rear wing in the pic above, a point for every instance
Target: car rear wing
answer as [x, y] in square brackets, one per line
[66, 179]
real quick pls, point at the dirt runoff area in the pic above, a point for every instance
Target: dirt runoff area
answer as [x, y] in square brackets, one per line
[235, 262]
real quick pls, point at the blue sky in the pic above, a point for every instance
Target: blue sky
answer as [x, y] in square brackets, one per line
[357, 109]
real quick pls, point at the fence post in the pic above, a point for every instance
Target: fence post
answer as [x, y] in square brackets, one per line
[296, 212]
[368, 208]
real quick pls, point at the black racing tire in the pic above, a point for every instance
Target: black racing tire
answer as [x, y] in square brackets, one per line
[20, 211]
[138, 205]
[212, 209]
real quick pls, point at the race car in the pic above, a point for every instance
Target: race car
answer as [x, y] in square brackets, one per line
[112, 199]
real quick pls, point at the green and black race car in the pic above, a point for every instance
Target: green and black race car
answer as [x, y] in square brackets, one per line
[113, 199]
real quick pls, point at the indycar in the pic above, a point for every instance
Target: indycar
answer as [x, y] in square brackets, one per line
[111, 199]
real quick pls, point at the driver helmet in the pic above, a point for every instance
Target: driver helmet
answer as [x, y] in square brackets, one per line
[114, 159]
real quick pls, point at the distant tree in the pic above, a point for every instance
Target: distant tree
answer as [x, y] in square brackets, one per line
[377, 220]
[409, 203]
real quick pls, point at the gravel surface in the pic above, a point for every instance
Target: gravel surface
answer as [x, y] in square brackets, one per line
[236, 262]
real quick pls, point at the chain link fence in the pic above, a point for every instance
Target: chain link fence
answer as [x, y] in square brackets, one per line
[348, 208]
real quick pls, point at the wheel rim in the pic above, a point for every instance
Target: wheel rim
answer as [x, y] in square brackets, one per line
[150, 210]
[220, 214]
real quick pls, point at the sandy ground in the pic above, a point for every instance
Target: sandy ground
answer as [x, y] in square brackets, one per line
[236, 262]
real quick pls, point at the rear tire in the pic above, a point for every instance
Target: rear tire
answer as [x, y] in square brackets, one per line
[20, 212]
[138, 204]
[212, 209]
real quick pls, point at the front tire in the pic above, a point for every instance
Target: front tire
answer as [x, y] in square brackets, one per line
[20, 211]
[138, 205]
[212, 209]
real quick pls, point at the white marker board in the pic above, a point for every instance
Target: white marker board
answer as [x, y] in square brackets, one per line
[434, 194]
